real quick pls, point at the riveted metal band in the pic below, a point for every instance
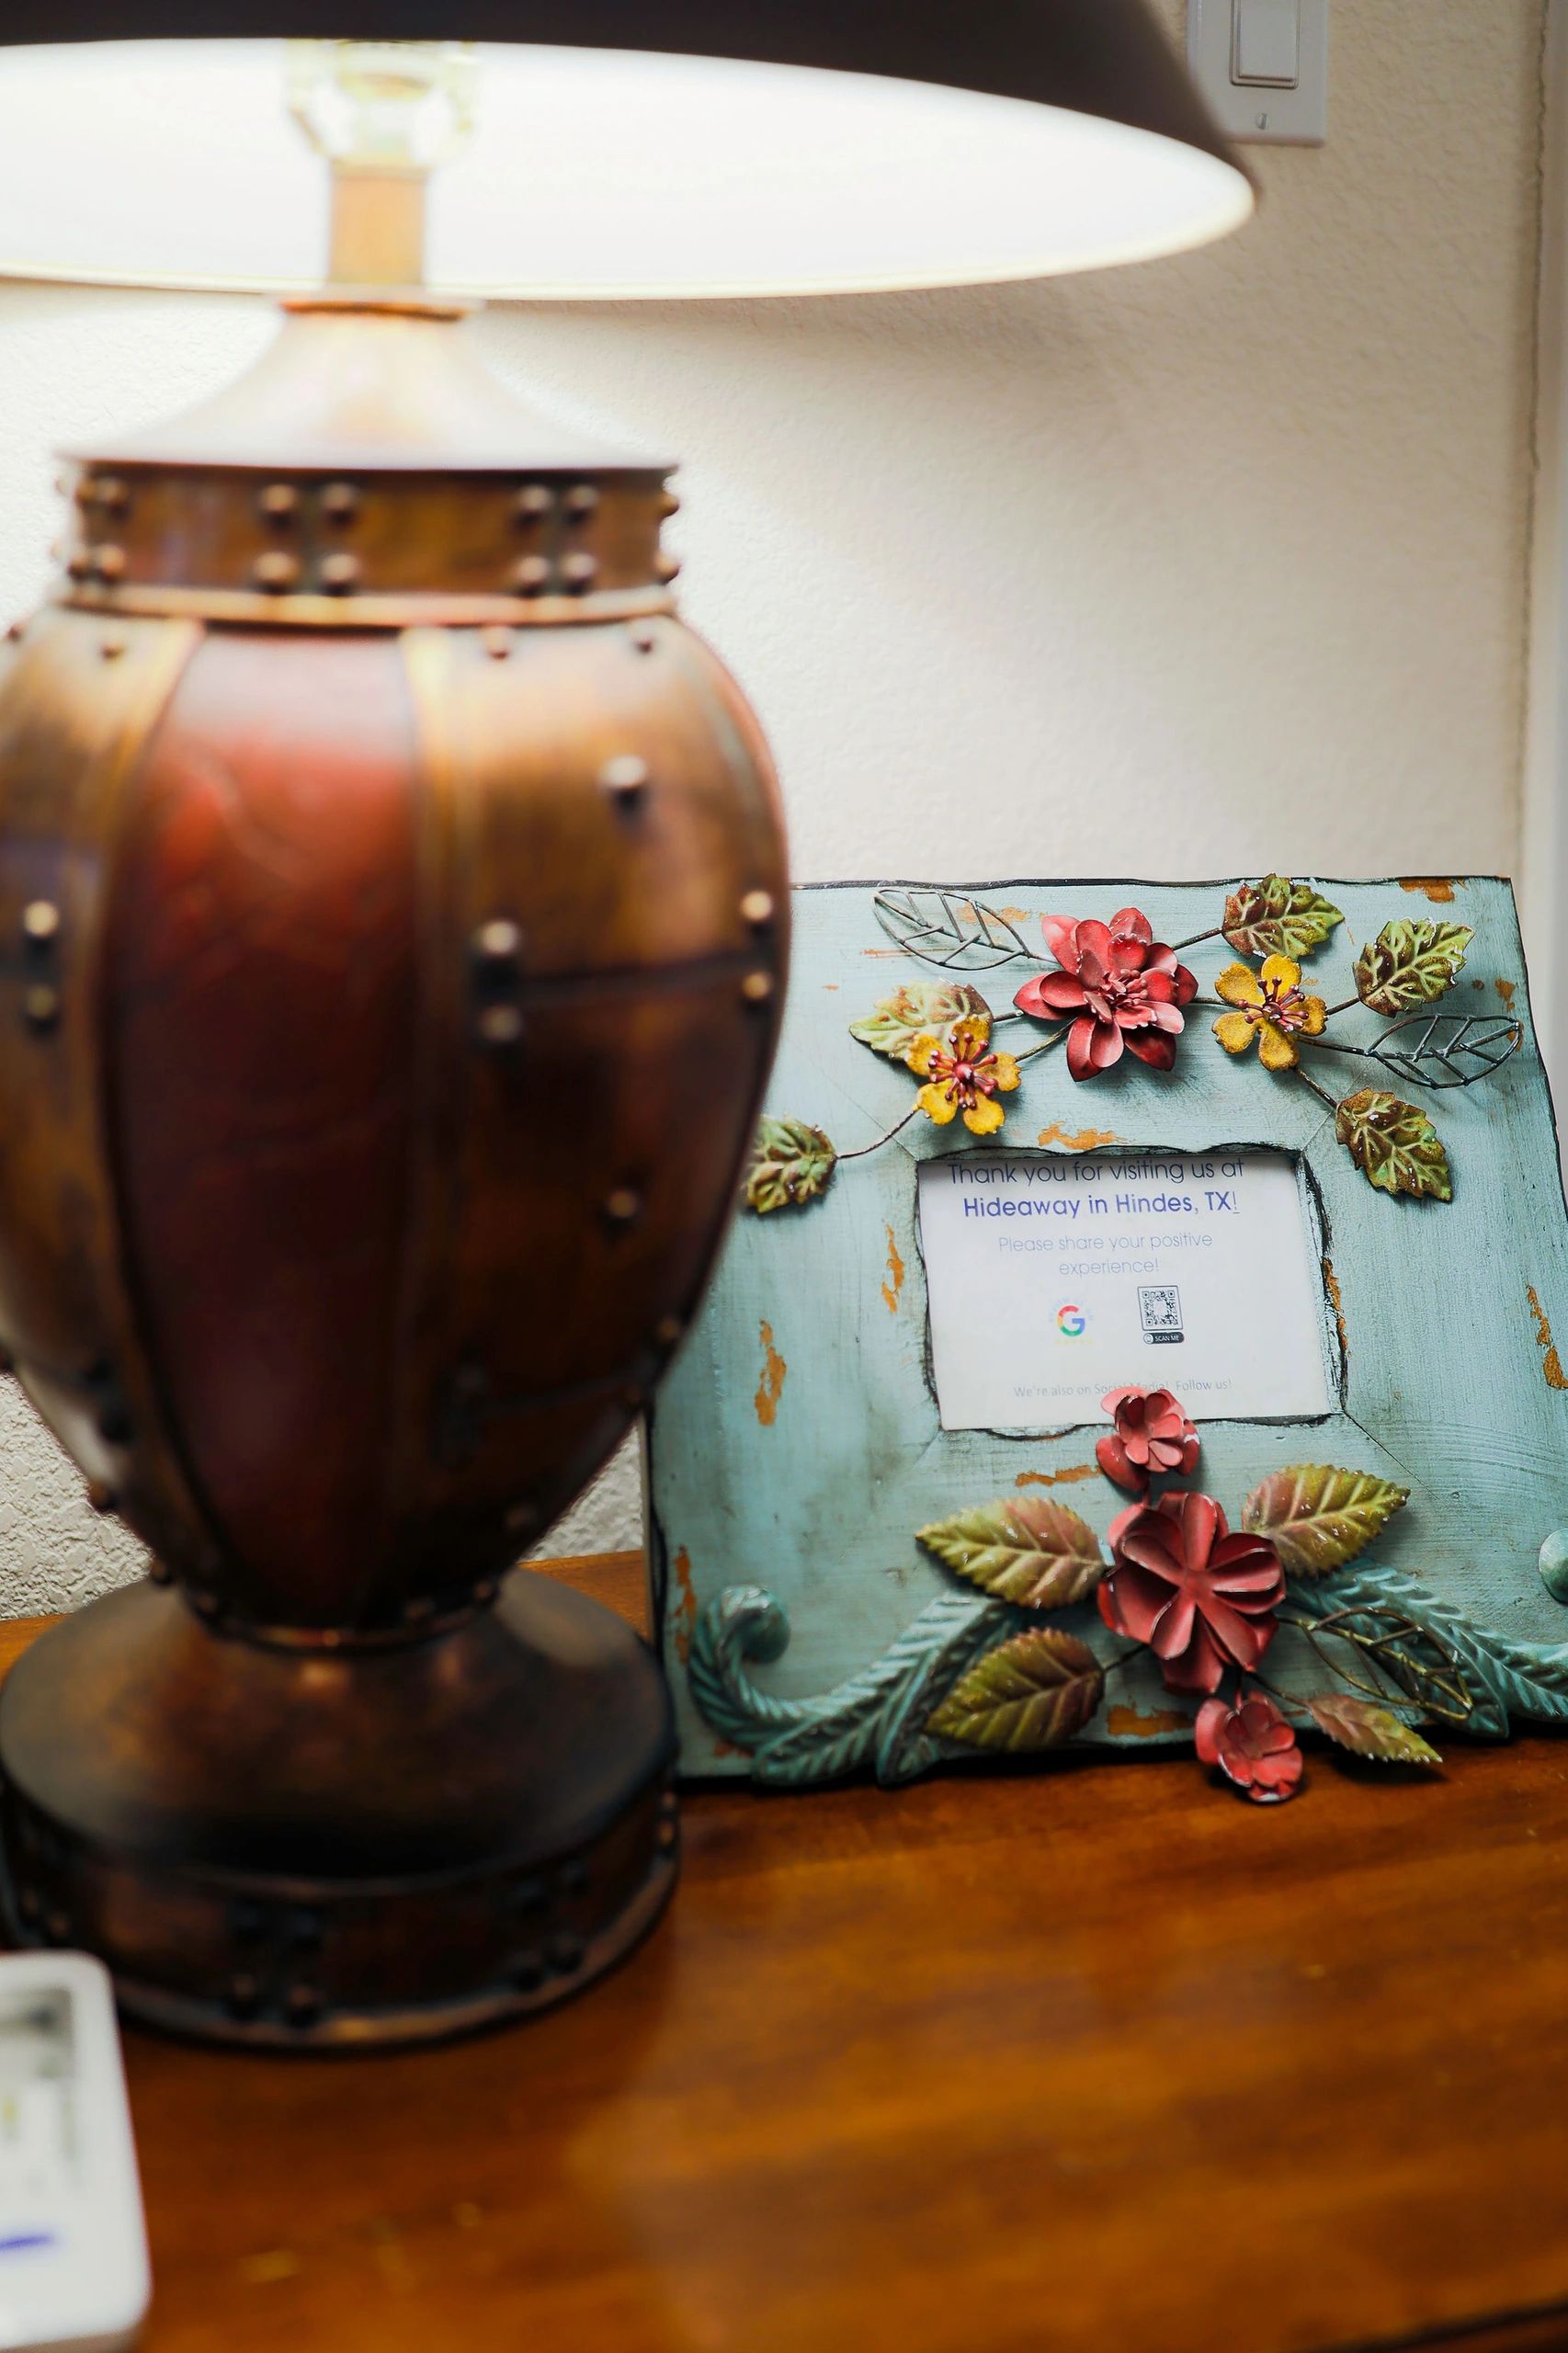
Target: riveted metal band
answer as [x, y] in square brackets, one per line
[247, 610]
[380, 548]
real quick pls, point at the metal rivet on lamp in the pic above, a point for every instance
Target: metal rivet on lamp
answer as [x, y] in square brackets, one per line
[347, 1237]
[625, 778]
[340, 572]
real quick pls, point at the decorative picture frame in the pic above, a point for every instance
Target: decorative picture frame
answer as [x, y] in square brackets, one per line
[841, 1584]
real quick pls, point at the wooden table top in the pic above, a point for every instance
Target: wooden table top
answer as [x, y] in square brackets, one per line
[1096, 2057]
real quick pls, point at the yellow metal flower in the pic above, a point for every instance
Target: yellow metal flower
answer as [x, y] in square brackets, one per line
[963, 1075]
[1273, 1008]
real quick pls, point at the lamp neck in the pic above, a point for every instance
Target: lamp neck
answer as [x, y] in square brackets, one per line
[378, 228]
[368, 472]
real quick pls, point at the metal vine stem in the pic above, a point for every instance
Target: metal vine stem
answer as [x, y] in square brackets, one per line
[1321, 1092]
[1196, 939]
[1029, 1055]
[1455, 1703]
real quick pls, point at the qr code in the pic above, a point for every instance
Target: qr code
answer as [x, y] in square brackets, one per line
[1159, 1310]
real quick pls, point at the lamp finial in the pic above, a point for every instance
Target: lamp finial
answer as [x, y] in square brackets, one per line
[384, 114]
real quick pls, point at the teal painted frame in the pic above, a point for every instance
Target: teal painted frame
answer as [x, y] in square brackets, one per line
[795, 1447]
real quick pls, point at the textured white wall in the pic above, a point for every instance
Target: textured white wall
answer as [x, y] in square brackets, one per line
[1213, 564]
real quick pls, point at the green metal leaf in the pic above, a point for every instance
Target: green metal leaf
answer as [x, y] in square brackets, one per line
[1278, 917]
[916, 1008]
[1394, 1145]
[791, 1164]
[1317, 1517]
[1027, 1550]
[1031, 1693]
[1410, 964]
[1370, 1730]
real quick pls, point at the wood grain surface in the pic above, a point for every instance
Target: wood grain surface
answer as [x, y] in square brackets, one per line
[1109, 2059]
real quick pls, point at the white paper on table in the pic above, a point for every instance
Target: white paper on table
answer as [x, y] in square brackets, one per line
[1053, 1280]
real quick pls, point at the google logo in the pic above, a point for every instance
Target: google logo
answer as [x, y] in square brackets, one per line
[1072, 1323]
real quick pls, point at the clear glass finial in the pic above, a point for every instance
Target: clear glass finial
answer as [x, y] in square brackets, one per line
[383, 106]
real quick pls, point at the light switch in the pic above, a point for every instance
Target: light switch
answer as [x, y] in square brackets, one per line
[1263, 66]
[1266, 45]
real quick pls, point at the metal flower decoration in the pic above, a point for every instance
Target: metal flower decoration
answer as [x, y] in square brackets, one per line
[986, 1671]
[1272, 1009]
[1152, 1435]
[1123, 987]
[1110, 989]
[1253, 1744]
[1203, 1599]
[963, 1073]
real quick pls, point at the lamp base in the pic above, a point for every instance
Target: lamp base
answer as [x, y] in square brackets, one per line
[334, 1848]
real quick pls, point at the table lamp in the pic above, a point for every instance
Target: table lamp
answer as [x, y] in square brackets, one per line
[394, 915]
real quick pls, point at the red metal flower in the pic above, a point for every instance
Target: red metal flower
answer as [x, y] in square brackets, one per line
[1251, 1744]
[1123, 983]
[1200, 1598]
[1152, 1435]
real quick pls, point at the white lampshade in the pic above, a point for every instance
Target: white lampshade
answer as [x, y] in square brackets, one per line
[593, 174]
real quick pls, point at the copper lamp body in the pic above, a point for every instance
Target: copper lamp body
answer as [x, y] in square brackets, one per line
[394, 916]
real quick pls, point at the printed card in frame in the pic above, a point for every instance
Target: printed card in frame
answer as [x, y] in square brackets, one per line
[1139, 1330]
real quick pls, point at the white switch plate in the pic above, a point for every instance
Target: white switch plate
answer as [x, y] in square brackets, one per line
[1297, 118]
